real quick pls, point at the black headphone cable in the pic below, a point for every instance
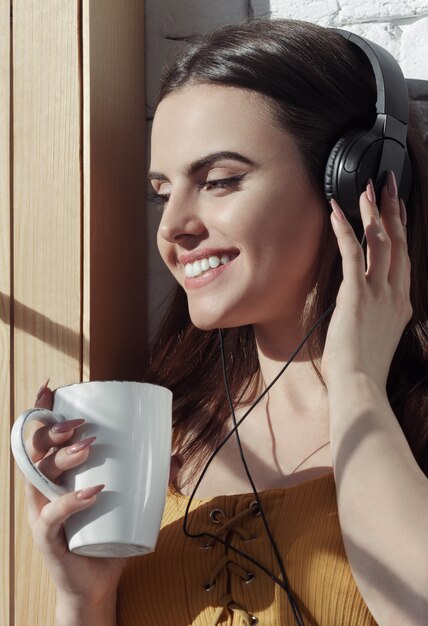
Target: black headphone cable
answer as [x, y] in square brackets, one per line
[294, 607]
[282, 583]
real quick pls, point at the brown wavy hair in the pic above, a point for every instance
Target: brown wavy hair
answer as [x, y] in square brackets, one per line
[319, 87]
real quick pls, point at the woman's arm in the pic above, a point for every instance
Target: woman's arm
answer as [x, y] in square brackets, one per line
[74, 614]
[383, 503]
[382, 494]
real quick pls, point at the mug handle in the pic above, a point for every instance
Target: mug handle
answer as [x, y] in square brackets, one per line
[44, 485]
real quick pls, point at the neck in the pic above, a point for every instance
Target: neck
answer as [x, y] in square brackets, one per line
[299, 387]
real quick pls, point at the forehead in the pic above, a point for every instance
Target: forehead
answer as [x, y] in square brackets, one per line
[201, 119]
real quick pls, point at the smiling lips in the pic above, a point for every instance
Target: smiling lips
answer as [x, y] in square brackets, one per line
[202, 265]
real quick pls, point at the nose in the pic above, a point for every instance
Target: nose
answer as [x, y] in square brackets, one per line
[180, 220]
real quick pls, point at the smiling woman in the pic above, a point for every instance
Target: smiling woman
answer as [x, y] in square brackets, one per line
[284, 325]
[221, 190]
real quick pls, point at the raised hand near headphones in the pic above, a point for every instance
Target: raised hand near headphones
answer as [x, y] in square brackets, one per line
[373, 303]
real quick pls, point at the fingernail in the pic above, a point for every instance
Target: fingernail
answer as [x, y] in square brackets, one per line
[337, 210]
[42, 389]
[80, 445]
[89, 492]
[403, 212]
[63, 427]
[391, 185]
[370, 191]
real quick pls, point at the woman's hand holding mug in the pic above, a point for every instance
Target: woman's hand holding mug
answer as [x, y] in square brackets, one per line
[86, 585]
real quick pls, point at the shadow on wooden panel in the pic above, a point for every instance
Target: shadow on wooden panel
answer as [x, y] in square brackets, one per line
[42, 327]
[120, 355]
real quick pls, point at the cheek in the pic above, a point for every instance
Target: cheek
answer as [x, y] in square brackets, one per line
[272, 227]
[287, 235]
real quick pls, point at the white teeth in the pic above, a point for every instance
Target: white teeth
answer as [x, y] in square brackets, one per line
[196, 268]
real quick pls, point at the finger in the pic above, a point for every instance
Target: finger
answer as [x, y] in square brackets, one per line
[350, 249]
[53, 465]
[54, 514]
[44, 399]
[42, 438]
[392, 219]
[378, 241]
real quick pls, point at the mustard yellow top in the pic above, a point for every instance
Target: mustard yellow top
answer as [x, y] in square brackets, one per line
[185, 583]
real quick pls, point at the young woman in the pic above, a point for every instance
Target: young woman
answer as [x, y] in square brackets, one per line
[316, 511]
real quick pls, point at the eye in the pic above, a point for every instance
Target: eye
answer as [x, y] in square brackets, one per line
[159, 199]
[231, 182]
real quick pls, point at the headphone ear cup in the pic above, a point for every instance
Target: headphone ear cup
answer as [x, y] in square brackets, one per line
[331, 168]
[343, 184]
[354, 159]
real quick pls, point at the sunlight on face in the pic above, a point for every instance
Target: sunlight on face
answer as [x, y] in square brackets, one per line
[241, 225]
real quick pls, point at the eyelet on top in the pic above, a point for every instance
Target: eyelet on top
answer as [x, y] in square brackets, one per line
[254, 620]
[255, 509]
[213, 515]
[250, 578]
[209, 586]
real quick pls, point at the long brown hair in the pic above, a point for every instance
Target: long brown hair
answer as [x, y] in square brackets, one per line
[319, 87]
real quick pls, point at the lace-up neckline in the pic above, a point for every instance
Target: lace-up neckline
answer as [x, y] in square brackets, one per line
[228, 529]
[168, 586]
[227, 526]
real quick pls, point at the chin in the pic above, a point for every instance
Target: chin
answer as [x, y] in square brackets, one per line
[222, 310]
[208, 321]
[205, 318]
[205, 324]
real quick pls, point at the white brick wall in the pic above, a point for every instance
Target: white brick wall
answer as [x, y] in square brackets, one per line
[401, 26]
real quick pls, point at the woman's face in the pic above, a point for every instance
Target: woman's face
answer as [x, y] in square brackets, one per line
[241, 226]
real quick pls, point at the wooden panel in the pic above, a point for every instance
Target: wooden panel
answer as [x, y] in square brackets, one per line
[78, 220]
[115, 230]
[5, 292]
[47, 239]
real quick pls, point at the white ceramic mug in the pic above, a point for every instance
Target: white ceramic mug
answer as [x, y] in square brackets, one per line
[131, 456]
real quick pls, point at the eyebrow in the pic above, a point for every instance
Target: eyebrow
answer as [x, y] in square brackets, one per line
[204, 161]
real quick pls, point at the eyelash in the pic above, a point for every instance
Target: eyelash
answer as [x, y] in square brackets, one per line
[232, 182]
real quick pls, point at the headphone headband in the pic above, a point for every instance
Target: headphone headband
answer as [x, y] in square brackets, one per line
[392, 97]
[370, 153]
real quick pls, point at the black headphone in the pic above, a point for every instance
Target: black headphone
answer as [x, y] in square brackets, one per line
[363, 154]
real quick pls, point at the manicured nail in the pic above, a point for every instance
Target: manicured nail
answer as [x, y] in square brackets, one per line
[42, 389]
[370, 192]
[403, 212]
[337, 210]
[63, 427]
[80, 445]
[89, 492]
[391, 185]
